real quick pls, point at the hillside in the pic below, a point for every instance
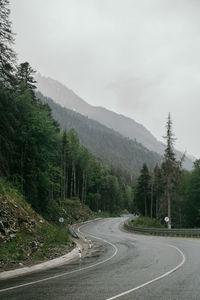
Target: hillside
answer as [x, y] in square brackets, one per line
[124, 125]
[102, 141]
[27, 237]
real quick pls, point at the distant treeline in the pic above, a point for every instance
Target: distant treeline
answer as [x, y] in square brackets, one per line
[104, 142]
[169, 190]
[47, 164]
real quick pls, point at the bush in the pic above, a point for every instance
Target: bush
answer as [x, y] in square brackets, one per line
[146, 222]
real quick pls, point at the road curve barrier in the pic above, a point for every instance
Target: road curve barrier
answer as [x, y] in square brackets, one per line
[182, 232]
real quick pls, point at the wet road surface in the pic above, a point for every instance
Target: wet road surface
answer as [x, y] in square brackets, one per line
[122, 266]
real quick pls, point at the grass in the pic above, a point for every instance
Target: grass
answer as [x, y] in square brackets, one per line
[51, 236]
[14, 250]
[14, 196]
[146, 222]
[47, 236]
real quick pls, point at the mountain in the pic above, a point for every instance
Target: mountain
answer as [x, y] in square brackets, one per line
[124, 125]
[105, 143]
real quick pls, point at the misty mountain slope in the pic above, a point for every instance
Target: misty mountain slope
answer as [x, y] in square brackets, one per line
[124, 125]
[103, 142]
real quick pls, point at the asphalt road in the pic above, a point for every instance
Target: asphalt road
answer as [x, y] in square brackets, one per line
[121, 266]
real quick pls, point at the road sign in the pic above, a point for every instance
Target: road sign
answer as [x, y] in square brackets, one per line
[61, 220]
[166, 219]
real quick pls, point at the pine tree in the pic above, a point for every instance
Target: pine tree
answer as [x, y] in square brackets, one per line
[74, 146]
[169, 167]
[158, 190]
[64, 163]
[25, 79]
[7, 55]
[142, 192]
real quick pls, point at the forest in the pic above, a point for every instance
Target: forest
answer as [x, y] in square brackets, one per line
[48, 164]
[169, 190]
[103, 142]
[45, 163]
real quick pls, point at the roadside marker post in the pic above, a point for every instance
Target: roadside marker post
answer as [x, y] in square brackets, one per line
[79, 252]
[90, 244]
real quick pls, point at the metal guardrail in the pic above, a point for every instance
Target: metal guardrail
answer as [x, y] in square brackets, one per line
[164, 231]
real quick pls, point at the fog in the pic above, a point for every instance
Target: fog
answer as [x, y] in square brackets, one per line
[139, 58]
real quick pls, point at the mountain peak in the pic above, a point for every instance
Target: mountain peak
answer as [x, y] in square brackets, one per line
[120, 123]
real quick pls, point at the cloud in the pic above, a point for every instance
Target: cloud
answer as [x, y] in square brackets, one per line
[130, 93]
[137, 57]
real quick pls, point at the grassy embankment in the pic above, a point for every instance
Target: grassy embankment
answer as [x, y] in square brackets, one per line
[146, 222]
[26, 237]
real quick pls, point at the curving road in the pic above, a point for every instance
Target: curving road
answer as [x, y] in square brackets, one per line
[121, 266]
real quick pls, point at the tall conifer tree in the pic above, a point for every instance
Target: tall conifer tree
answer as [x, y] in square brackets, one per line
[142, 193]
[169, 166]
[7, 55]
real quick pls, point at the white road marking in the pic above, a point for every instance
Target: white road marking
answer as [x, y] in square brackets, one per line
[66, 273]
[155, 279]
[101, 262]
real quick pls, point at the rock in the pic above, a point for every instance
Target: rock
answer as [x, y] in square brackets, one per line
[2, 229]
[22, 220]
[35, 245]
[12, 235]
[6, 224]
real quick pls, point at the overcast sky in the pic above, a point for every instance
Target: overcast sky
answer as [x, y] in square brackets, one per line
[140, 58]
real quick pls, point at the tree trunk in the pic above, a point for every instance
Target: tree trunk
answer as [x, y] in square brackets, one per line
[169, 203]
[64, 176]
[22, 171]
[74, 179]
[71, 188]
[151, 201]
[156, 205]
[83, 186]
[66, 186]
[145, 204]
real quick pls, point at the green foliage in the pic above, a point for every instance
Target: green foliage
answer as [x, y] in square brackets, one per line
[53, 235]
[47, 165]
[28, 228]
[13, 249]
[49, 235]
[191, 196]
[147, 222]
[142, 191]
[7, 55]
[171, 169]
[158, 193]
[103, 142]
[25, 79]
[8, 124]
[36, 143]
[14, 196]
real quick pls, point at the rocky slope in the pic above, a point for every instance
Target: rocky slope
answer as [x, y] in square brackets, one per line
[25, 237]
